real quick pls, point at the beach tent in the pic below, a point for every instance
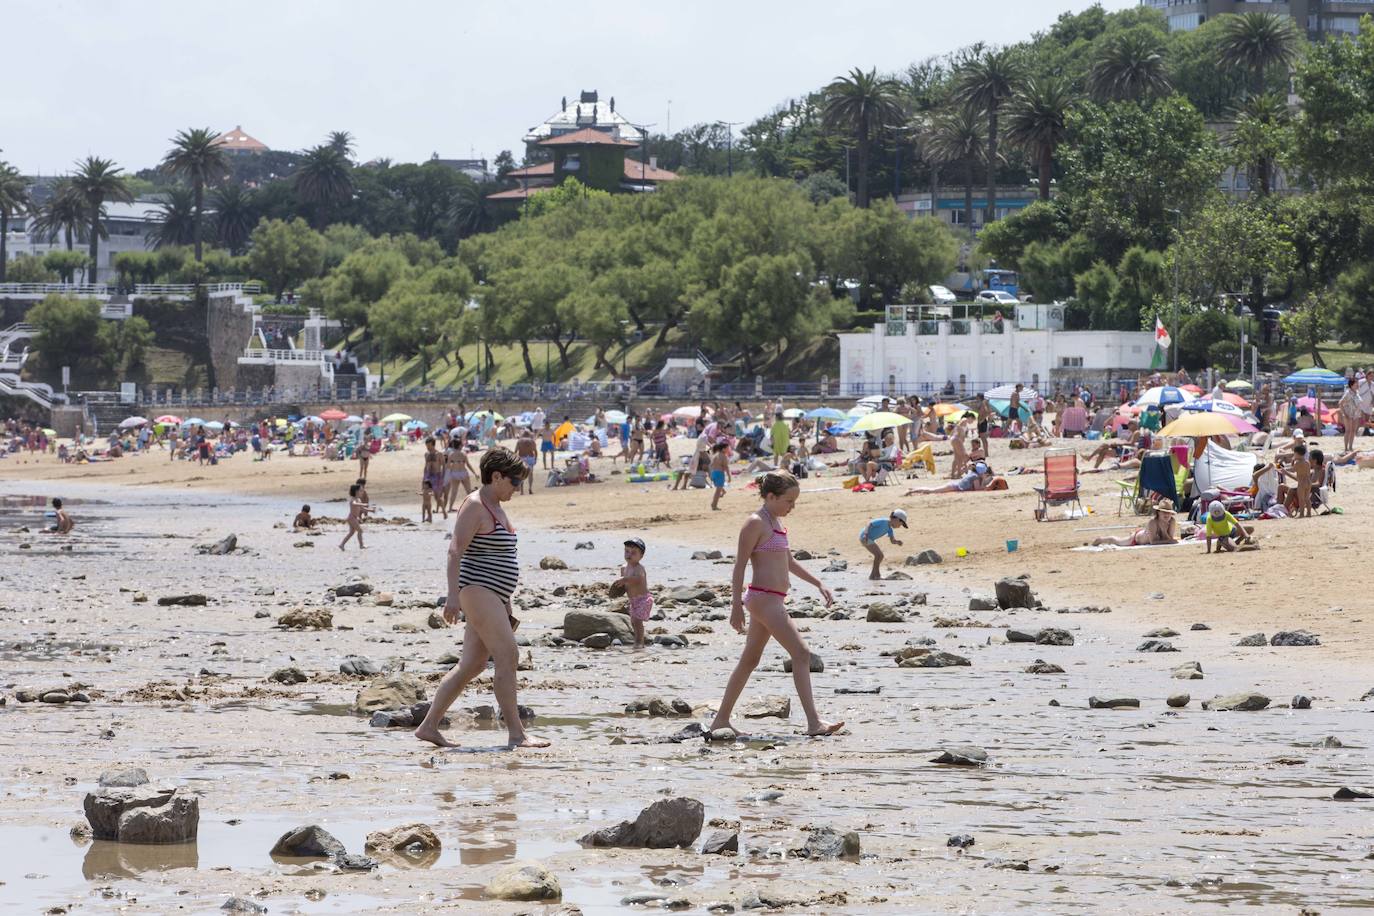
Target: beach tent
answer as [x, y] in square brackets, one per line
[562, 432]
[1220, 468]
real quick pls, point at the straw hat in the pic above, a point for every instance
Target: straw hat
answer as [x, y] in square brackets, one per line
[1165, 505]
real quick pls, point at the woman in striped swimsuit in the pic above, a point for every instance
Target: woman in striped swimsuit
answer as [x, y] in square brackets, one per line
[763, 541]
[482, 575]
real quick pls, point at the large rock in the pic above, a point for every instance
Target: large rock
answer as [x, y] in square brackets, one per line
[1156, 645]
[1254, 639]
[815, 665]
[1043, 667]
[664, 824]
[880, 612]
[922, 657]
[553, 563]
[143, 814]
[768, 707]
[1054, 636]
[1189, 671]
[1019, 636]
[720, 843]
[981, 603]
[1346, 793]
[525, 881]
[310, 841]
[1178, 700]
[221, 547]
[123, 777]
[196, 600]
[924, 558]
[307, 618]
[391, 692]
[965, 755]
[1238, 702]
[1294, 638]
[351, 590]
[828, 843]
[291, 675]
[242, 905]
[578, 625]
[358, 666]
[1014, 593]
[1113, 703]
[409, 839]
[658, 707]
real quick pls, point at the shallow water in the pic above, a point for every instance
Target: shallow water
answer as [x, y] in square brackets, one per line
[1106, 807]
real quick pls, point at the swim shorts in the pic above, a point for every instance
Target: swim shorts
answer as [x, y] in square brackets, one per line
[641, 607]
[718, 479]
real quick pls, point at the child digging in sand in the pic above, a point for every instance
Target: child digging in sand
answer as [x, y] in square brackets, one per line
[763, 543]
[876, 530]
[1222, 527]
[357, 508]
[635, 581]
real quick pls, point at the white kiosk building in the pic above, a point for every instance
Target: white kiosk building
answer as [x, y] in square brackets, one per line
[923, 350]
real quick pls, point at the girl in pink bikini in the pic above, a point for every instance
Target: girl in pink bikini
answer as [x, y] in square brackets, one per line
[763, 541]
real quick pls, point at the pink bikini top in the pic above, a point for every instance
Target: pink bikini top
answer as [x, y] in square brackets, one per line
[777, 541]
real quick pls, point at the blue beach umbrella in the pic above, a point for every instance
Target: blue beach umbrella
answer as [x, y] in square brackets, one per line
[825, 413]
[1315, 376]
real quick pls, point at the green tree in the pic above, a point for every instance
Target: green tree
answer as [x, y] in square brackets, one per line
[423, 315]
[1197, 334]
[324, 181]
[1143, 282]
[1235, 249]
[1256, 42]
[1037, 122]
[984, 84]
[68, 330]
[285, 254]
[1130, 66]
[65, 264]
[1196, 71]
[26, 268]
[99, 181]
[177, 223]
[1336, 131]
[1311, 323]
[883, 249]
[14, 198]
[362, 279]
[197, 157]
[64, 212]
[1262, 139]
[235, 216]
[121, 345]
[1353, 294]
[957, 138]
[135, 267]
[570, 192]
[1096, 289]
[866, 107]
[341, 142]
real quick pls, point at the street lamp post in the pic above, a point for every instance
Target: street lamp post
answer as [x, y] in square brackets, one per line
[1178, 239]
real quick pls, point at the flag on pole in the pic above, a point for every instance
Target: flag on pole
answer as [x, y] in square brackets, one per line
[1162, 338]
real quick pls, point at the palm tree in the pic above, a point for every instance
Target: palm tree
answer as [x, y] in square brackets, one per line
[984, 83]
[99, 181]
[866, 106]
[958, 137]
[342, 141]
[1037, 122]
[14, 198]
[323, 179]
[235, 216]
[177, 222]
[1130, 65]
[1258, 136]
[467, 211]
[1256, 42]
[64, 212]
[196, 155]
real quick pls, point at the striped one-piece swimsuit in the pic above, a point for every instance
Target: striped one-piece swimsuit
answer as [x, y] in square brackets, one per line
[490, 560]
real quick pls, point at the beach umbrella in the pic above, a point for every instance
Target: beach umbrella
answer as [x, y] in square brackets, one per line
[1208, 404]
[1235, 399]
[312, 419]
[1004, 392]
[280, 424]
[168, 420]
[1163, 395]
[1204, 423]
[687, 410]
[1191, 389]
[481, 415]
[1003, 408]
[214, 426]
[415, 424]
[333, 413]
[50, 433]
[1239, 384]
[791, 413]
[131, 422]
[825, 413]
[1315, 376]
[194, 421]
[879, 420]
[353, 418]
[396, 418]
[945, 409]
[1326, 414]
[616, 416]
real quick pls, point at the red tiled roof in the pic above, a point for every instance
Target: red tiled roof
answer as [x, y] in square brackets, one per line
[587, 136]
[237, 139]
[540, 170]
[519, 193]
[636, 171]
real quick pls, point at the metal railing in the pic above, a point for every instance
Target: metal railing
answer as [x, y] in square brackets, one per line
[187, 289]
[286, 356]
[44, 289]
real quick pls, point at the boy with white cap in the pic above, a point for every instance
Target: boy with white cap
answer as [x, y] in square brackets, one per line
[880, 528]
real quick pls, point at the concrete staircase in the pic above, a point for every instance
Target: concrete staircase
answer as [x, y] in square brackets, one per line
[12, 359]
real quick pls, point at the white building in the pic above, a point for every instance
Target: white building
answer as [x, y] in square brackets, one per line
[587, 110]
[917, 352]
[129, 226]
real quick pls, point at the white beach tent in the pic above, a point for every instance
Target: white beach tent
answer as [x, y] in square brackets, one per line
[1222, 469]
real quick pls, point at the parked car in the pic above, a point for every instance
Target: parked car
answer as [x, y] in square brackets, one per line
[997, 297]
[941, 295]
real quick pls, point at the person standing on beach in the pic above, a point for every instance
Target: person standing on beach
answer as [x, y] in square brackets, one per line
[357, 509]
[527, 452]
[364, 454]
[720, 471]
[875, 531]
[635, 581]
[483, 572]
[763, 542]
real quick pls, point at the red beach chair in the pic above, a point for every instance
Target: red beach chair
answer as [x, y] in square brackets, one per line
[1061, 481]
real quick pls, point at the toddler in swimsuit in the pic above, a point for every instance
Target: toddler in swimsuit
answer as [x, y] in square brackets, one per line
[636, 583]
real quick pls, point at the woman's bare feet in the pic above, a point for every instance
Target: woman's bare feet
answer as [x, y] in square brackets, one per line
[822, 729]
[433, 736]
[526, 741]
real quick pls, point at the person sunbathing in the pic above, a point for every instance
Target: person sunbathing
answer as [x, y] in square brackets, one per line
[1161, 529]
[979, 478]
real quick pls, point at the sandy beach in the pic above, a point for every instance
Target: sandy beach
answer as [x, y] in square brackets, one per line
[1148, 809]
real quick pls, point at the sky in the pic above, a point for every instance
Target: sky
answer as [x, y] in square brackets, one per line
[409, 78]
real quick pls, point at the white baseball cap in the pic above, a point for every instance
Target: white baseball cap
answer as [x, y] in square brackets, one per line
[900, 515]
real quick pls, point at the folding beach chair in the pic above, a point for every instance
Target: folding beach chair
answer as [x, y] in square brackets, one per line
[1061, 481]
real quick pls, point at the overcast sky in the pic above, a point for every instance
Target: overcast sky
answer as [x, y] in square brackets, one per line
[116, 78]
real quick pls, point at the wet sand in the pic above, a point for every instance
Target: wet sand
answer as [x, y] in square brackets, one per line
[1133, 810]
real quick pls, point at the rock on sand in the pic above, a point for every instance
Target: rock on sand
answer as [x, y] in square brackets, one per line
[578, 625]
[664, 824]
[525, 881]
[392, 692]
[143, 814]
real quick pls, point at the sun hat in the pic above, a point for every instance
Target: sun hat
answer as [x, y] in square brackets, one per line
[1165, 505]
[1299, 434]
[900, 515]
[1216, 509]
